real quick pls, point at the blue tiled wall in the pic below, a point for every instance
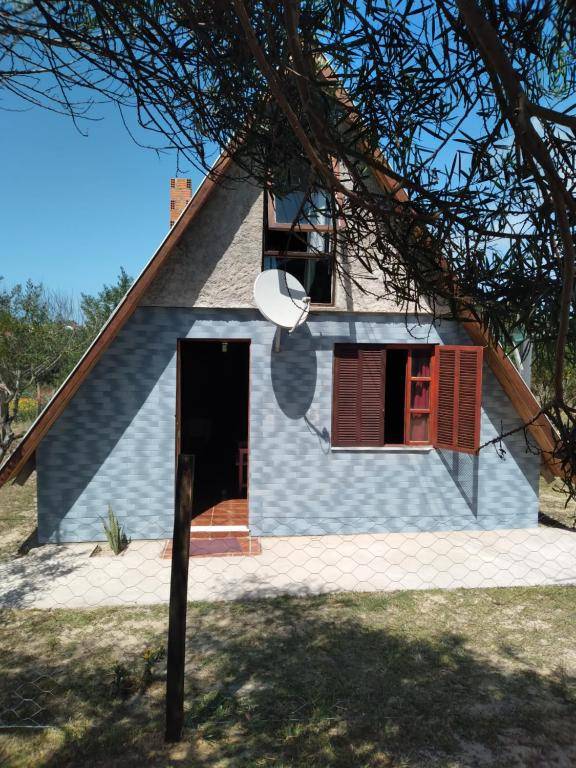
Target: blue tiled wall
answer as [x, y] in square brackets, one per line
[114, 444]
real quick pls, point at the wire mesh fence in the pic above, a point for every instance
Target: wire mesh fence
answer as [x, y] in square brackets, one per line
[352, 649]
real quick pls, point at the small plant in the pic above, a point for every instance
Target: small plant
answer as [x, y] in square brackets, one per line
[122, 680]
[150, 659]
[115, 533]
[134, 676]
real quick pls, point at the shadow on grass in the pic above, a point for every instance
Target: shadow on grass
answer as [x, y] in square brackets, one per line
[24, 579]
[317, 682]
[29, 543]
[550, 522]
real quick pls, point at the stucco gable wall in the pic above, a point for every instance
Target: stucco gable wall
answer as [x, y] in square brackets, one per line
[218, 259]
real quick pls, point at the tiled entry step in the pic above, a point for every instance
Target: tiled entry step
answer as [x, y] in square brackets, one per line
[223, 546]
[228, 518]
[221, 531]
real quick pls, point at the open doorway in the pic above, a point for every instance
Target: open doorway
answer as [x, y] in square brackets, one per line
[395, 396]
[213, 418]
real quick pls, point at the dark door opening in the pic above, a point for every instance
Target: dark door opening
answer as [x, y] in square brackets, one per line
[395, 396]
[213, 417]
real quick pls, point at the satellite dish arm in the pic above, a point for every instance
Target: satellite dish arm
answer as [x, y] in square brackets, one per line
[305, 310]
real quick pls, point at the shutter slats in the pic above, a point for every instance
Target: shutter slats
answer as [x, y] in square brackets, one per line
[371, 397]
[359, 386]
[468, 400]
[346, 397]
[358, 409]
[445, 402]
[458, 398]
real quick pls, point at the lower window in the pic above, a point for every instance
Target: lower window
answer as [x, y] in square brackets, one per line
[382, 395]
[407, 395]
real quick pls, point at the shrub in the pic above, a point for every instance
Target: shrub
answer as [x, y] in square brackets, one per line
[115, 533]
[27, 409]
[134, 677]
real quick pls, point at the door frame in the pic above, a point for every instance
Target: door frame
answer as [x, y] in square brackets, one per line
[178, 411]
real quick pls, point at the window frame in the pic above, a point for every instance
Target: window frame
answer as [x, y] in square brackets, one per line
[332, 226]
[309, 257]
[288, 226]
[408, 410]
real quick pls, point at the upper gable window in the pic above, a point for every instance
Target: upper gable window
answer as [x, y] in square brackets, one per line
[304, 252]
[297, 234]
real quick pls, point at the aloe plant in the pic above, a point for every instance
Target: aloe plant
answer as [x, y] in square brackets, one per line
[115, 533]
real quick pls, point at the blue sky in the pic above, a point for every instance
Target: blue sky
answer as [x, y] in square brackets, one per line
[74, 208]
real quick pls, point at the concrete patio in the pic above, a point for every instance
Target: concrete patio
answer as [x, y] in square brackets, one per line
[65, 576]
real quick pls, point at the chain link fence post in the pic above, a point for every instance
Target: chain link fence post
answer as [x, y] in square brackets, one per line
[178, 599]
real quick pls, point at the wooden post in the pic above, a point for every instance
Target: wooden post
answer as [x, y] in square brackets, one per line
[179, 598]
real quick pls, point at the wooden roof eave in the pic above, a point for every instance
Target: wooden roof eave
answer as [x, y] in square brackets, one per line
[521, 396]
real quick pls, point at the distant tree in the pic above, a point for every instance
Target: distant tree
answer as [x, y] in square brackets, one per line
[97, 309]
[543, 373]
[39, 342]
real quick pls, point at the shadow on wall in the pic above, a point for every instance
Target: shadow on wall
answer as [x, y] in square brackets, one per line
[294, 372]
[463, 469]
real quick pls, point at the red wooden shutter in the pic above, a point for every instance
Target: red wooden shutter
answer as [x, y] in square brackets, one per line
[372, 361]
[458, 398]
[346, 396]
[358, 407]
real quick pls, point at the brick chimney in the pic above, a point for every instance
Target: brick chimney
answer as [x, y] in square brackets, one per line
[180, 193]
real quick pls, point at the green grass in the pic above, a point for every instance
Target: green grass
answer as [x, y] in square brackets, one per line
[461, 678]
[17, 511]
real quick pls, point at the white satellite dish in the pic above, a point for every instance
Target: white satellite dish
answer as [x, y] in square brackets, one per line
[281, 298]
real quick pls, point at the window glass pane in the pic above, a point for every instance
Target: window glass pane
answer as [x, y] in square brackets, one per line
[419, 427]
[286, 240]
[421, 362]
[314, 210]
[318, 242]
[287, 207]
[314, 274]
[318, 209]
[420, 394]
